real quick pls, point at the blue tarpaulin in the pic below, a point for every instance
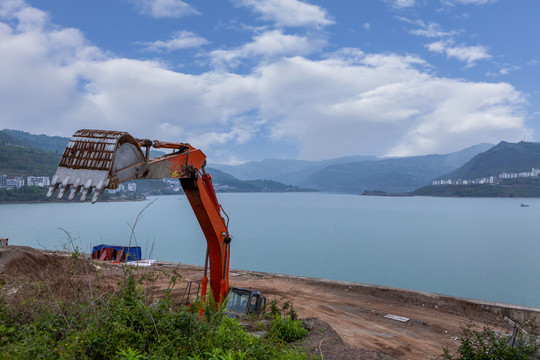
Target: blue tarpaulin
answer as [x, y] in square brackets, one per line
[112, 252]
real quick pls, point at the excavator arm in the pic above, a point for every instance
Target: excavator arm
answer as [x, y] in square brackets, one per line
[95, 160]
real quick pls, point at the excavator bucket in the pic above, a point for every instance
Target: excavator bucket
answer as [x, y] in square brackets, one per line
[95, 160]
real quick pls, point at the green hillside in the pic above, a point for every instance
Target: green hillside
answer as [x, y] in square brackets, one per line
[46, 143]
[24, 154]
[504, 157]
[16, 160]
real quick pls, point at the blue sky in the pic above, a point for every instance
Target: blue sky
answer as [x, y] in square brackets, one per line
[253, 79]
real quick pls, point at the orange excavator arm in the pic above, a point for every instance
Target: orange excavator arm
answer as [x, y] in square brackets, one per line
[95, 160]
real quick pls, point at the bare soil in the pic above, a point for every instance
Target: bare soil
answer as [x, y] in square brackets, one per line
[346, 320]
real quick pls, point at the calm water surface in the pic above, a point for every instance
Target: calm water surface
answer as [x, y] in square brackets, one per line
[476, 248]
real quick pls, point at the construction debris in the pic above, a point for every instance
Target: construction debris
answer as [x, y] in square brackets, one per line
[397, 318]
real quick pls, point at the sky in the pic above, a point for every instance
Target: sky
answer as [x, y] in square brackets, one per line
[246, 80]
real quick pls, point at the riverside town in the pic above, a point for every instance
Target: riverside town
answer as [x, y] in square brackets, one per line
[45, 181]
[19, 181]
[489, 180]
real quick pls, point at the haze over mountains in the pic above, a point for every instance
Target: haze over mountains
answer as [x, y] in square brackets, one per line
[355, 174]
[27, 154]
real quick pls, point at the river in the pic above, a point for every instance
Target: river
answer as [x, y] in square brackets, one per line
[485, 249]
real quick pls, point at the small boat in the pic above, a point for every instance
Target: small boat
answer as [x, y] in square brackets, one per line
[524, 205]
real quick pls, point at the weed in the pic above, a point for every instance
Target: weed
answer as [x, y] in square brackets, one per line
[486, 344]
[130, 354]
[57, 315]
[128, 322]
[286, 329]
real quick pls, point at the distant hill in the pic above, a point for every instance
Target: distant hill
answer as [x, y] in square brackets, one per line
[17, 160]
[55, 144]
[23, 154]
[390, 175]
[358, 173]
[283, 170]
[220, 179]
[504, 157]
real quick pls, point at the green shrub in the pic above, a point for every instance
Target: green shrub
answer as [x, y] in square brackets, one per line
[286, 329]
[127, 323]
[488, 345]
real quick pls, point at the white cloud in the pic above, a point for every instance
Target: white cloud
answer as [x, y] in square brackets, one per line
[238, 134]
[386, 105]
[52, 81]
[468, 54]
[367, 26]
[288, 12]
[432, 30]
[268, 45]
[504, 69]
[9, 7]
[164, 8]
[179, 40]
[401, 3]
[469, 2]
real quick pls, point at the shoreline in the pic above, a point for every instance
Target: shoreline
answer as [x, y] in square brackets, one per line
[454, 304]
[65, 201]
[450, 303]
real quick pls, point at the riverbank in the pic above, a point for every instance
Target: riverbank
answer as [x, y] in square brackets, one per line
[509, 188]
[357, 312]
[45, 201]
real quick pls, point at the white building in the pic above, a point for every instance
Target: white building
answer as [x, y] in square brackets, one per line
[489, 180]
[40, 181]
[14, 183]
[442, 182]
[121, 189]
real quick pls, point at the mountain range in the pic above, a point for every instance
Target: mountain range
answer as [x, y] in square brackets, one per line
[503, 157]
[356, 174]
[22, 153]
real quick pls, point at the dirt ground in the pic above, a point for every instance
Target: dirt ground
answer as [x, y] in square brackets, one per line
[346, 320]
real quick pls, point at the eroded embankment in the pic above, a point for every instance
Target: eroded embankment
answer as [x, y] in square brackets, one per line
[452, 304]
[357, 313]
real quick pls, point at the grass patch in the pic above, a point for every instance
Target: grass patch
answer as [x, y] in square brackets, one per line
[486, 344]
[78, 318]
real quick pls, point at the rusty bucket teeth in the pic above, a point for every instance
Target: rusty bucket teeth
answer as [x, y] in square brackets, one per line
[85, 193]
[62, 191]
[63, 187]
[74, 191]
[97, 195]
[91, 158]
[75, 188]
[52, 189]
